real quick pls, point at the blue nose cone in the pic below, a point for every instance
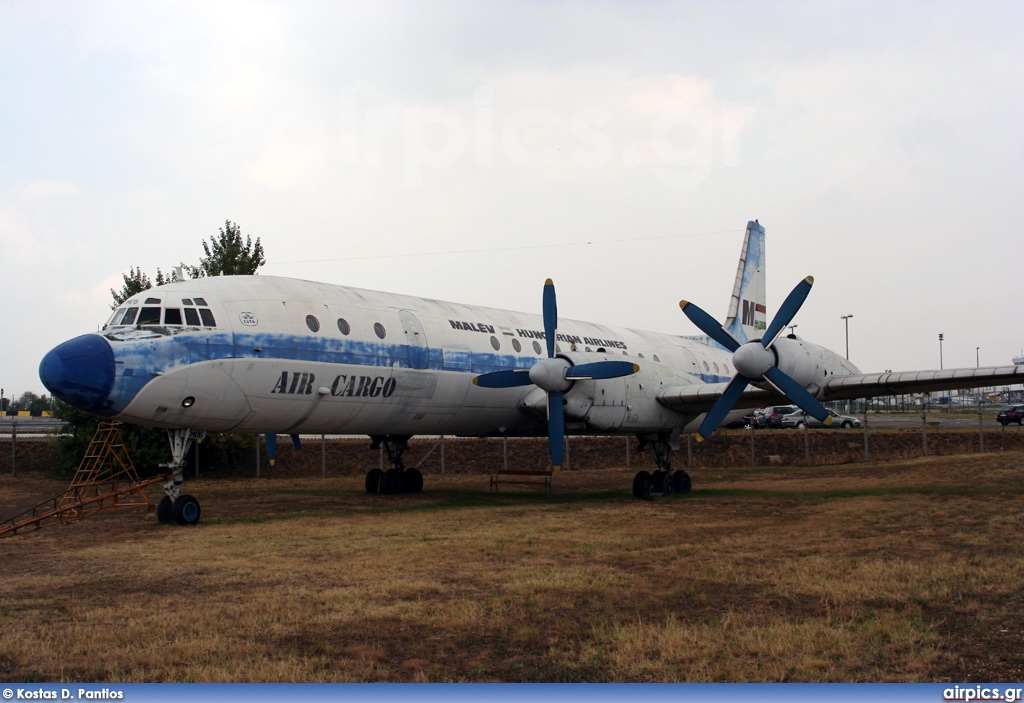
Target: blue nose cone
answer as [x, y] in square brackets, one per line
[81, 373]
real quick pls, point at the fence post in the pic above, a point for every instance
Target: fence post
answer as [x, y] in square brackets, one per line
[442, 454]
[867, 452]
[323, 456]
[981, 431]
[689, 451]
[14, 448]
[807, 443]
[924, 431]
[257, 456]
[753, 451]
[627, 452]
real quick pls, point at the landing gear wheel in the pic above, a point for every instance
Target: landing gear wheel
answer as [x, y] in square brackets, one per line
[662, 483]
[163, 511]
[373, 481]
[185, 510]
[412, 481]
[681, 482]
[642, 485]
[392, 482]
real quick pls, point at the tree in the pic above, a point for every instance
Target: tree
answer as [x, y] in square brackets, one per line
[226, 255]
[135, 281]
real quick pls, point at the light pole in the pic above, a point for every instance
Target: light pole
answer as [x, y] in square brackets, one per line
[940, 350]
[846, 318]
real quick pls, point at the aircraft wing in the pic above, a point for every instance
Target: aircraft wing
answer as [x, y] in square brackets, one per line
[700, 397]
[867, 385]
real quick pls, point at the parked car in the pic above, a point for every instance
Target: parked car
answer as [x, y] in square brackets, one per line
[773, 415]
[1011, 413]
[800, 418]
[755, 418]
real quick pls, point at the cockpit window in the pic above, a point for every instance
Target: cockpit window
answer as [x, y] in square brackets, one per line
[186, 301]
[172, 316]
[149, 316]
[200, 301]
[129, 316]
[207, 316]
[191, 317]
[152, 301]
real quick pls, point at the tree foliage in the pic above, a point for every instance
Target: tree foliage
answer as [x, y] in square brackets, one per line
[227, 255]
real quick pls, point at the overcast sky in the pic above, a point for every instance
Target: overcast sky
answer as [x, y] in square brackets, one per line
[467, 151]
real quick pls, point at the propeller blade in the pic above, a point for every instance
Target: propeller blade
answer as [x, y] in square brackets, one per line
[709, 325]
[271, 448]
[601, 369]
[788, 310]
[556, 429]
[722, 406]
[799, 395]
[503, 379]
[550, 316]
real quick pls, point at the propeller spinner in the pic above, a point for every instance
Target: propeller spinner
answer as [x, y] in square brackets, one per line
[554, 375]
[755, 361]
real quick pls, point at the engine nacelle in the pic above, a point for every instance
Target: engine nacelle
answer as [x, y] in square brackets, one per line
[627, 403]
[807, 364]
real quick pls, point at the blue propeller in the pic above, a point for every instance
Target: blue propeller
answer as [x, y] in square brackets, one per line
[754, 361]
[555, 376]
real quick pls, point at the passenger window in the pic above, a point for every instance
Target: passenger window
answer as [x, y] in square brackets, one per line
[343, 326]
[191, 317]
[149, 316]
[312, 323]
[129, 316]
[172, 316]
[207, 316]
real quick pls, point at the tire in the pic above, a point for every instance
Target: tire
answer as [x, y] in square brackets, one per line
[642, 485]
[799, 425]
[412, 481]
[392, 482]
[163, 511]
[661, 482]
[681, 479]
[373, 481]
[185, 510]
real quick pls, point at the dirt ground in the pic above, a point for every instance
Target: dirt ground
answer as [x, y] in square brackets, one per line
[904, 571]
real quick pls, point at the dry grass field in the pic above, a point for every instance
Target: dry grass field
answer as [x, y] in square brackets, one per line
[909, 571]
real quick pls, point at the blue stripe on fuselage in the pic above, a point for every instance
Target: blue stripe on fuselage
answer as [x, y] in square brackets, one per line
[138, 361]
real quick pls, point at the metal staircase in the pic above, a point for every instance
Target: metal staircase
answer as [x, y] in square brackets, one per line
[106, 480]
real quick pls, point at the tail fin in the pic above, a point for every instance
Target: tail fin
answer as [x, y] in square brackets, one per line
[748, 314]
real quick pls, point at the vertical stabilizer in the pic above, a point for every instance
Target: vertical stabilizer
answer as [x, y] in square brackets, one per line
[748, 314]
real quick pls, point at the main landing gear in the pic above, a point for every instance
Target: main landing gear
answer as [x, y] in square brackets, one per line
[664, 481]
[177, 507]
[397, 479]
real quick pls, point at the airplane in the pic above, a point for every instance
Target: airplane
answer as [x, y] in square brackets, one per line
[270, 355]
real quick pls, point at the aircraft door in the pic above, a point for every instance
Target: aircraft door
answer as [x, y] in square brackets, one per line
[415, 340]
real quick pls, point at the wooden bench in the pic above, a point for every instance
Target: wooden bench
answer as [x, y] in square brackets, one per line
[524, 477]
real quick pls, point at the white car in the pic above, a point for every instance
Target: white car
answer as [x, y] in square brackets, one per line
[800, 418]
